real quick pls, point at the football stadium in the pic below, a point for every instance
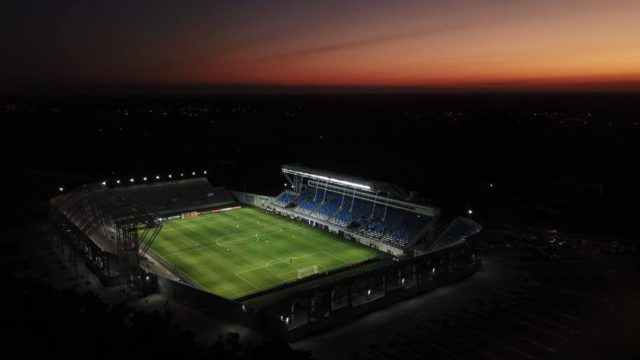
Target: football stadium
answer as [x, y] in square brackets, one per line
[327, 249]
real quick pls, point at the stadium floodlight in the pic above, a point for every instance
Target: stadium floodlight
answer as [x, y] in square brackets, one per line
[131, 180]
[61, 189]
[157, 177]
[328, 179]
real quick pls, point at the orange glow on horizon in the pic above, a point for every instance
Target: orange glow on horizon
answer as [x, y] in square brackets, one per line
[497, 44]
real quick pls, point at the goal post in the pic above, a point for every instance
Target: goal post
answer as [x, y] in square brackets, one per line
[189, 214]
[307, 271]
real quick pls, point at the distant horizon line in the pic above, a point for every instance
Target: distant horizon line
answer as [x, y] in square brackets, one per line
[114, 89]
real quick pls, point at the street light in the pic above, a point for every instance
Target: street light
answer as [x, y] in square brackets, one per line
[61, 189]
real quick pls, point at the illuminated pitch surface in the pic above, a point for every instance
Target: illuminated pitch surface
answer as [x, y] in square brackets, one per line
[221, 253]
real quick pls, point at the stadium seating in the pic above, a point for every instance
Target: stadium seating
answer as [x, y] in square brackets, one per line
[406, 229]
[170, 197]
[361, 210]
[285, 199]
[343, 215]
[328, 209]
[388, 224]
[306, 203]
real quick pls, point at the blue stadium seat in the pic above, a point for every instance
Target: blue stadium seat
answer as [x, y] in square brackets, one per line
[284, 199]
[390, 224]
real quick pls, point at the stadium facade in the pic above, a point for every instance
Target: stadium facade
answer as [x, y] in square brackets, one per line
[112, 230]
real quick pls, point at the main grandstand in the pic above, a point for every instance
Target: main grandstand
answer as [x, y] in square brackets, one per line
[328, 244]
[372, 212]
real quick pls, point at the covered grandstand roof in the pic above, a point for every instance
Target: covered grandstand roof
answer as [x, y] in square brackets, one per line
[171, 197]
[345, 180]
[94, 209]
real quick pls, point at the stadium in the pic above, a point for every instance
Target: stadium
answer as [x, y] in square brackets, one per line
[325, 250]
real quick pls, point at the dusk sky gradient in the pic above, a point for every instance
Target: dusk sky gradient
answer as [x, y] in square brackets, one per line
[468, 44]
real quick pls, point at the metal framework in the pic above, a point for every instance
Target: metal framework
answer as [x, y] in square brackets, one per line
[355, 183]
[95, 217]
[379, 193]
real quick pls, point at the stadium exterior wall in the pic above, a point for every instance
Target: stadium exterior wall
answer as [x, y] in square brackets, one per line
[73, 245]
[452, 264]
[208, 302]
[345, 316]
[245, 198]
[269, 318]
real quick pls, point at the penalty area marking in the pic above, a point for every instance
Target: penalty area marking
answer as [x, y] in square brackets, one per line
[285, 259]
[320, 269]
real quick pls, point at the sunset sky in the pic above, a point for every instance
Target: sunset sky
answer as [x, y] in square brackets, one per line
[466, 44]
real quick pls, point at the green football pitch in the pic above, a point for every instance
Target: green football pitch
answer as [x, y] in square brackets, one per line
[240, 252]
